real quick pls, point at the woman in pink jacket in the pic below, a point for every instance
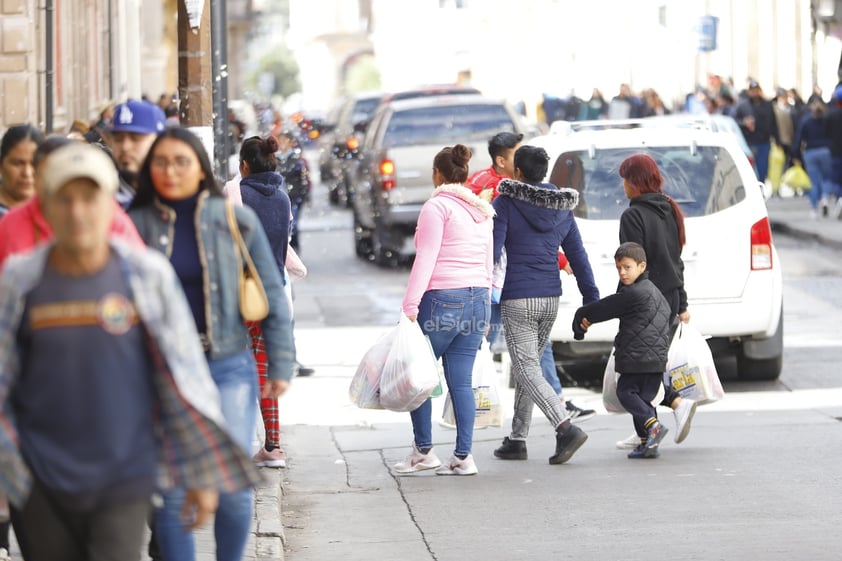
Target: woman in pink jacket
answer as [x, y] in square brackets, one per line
[449, 295]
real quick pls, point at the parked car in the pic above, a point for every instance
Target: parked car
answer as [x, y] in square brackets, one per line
[732, 272]
[394, 176]
[341, 140]
[346, 128]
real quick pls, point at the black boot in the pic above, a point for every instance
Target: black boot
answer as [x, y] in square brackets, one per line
[511, 450]
[568, 439]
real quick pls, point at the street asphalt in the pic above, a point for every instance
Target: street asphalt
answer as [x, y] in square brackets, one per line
[341, 500]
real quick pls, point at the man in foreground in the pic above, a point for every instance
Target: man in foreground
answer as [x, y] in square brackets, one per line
[105, 393]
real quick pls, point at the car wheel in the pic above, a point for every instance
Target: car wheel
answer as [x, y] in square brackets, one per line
[383, 255]
[767, 368]
[583, 373]
[333, 196]
[362, 240]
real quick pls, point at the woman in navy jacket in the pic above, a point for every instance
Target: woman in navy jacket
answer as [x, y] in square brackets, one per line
[533, 220]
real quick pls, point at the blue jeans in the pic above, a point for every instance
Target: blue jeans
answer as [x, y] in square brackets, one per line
[761, 159]
[495, 324]
[455, 321]
[548, 368]
[236, 379]
[817, 164]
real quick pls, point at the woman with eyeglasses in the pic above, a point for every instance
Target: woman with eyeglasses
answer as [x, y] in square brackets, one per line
[179, 209]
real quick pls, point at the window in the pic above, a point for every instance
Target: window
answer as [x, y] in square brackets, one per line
[446, 124]
[703, 181]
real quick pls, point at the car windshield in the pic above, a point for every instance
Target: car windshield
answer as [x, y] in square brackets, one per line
[363, 109]
[446, 124]
[702, 179]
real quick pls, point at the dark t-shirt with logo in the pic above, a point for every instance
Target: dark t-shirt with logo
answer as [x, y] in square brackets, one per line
[84, 398]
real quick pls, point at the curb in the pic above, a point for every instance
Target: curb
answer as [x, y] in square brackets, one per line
[788, 230]
[269, 535]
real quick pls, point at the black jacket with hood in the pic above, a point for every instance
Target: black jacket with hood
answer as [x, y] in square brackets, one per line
[265, 194]
[650, 222]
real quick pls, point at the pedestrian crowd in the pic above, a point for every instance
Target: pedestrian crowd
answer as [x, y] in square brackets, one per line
[131, 365]
[792, 141]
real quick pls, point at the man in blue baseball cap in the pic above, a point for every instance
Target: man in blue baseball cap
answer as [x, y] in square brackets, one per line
[133, 130]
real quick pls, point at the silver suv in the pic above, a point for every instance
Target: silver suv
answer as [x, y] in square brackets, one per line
[394, 177]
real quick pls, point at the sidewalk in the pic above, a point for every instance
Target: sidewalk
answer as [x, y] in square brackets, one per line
[791, 216]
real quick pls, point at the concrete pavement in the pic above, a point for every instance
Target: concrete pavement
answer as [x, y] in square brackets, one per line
[341, 498]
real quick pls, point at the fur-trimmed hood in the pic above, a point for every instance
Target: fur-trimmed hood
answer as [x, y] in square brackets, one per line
[543, 206]
[478, 208]
[544, 195]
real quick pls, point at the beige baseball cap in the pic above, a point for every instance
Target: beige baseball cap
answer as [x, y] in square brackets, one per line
[75, 161]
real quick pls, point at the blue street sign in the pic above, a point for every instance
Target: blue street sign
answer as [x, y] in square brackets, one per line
[707, 33]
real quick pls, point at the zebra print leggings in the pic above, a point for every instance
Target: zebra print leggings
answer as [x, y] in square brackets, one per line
[528, 322]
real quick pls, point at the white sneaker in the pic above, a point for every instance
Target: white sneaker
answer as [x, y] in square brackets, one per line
[683, 416]
[4, 554]
[629, 443]
[416, 461]
[455, 466]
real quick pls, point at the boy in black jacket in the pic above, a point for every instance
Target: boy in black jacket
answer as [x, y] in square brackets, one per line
[641, 345]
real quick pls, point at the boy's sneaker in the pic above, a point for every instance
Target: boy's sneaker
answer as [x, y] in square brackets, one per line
[567, 441]
[683, 415]
[275, 458]
[511, 450]
[455, 466]
[657, 432]
[577, 414]
[629, 443]
[642, 452]
[416, 461]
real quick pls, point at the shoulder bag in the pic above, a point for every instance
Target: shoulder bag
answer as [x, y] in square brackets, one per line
[254, 304]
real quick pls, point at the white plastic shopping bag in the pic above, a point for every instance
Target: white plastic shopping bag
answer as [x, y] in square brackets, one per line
[489, 410]
[365, 385]
[410, 373]
[609, 389]
[690, 368]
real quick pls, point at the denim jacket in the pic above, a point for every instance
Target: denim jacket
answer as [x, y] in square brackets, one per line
[188, 420]
[226, 332]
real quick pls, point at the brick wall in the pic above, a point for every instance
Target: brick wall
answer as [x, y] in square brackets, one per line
[17, 70]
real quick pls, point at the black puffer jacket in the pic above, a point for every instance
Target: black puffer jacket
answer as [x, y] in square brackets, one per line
[642, 342]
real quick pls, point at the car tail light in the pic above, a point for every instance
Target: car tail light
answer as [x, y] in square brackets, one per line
[761, 245]
[352, 143]
[387, 175]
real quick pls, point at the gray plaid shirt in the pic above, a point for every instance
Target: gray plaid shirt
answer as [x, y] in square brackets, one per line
[195, 451]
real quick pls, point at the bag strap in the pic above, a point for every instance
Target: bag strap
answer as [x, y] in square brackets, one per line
[239, 244]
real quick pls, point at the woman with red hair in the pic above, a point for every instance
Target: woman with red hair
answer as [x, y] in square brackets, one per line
[655, 221]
